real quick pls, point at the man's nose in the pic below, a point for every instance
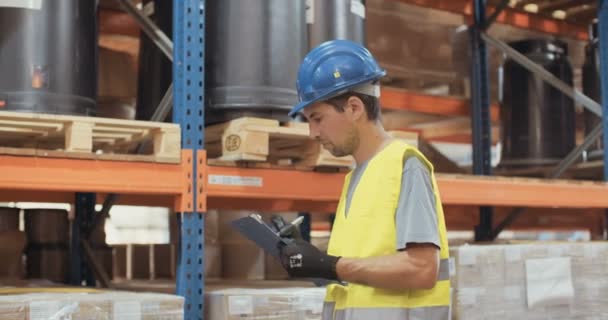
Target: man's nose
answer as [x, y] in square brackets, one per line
[313, 131]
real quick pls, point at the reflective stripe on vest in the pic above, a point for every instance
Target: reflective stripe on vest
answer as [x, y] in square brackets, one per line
[421, 313]
[444, 270]
[328, 311]
[372, 213]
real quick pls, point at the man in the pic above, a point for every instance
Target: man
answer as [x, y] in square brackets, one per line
[388, 248]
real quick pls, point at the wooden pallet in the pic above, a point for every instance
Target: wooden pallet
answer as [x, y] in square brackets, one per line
[248, 141]
[256, 142]
[35, 134]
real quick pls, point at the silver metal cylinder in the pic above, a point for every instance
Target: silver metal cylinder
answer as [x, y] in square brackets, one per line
[335, 19]
[253, 53]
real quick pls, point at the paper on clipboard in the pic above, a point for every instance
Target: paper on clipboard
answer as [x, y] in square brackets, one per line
[256, 230]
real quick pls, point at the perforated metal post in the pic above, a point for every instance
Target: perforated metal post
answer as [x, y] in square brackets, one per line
[188, 111]
[603, 43]
[480, 115]
[84, 210]
[603, 61]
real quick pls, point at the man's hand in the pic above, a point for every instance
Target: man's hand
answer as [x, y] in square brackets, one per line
[303, 260]
[284, 229]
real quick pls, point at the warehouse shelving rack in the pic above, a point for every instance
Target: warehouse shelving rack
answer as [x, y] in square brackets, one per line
[507, 16]
[191, 187]
[319, 191]
[480, 116]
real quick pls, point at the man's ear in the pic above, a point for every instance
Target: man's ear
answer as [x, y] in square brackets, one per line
[357, 108]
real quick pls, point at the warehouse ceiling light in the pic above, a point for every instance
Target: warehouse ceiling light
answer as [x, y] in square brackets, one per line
[531, 7]
[559, 14]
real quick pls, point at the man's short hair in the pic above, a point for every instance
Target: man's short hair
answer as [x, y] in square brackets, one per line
[372, 104]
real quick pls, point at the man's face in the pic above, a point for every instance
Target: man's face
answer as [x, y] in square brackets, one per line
[336, 131]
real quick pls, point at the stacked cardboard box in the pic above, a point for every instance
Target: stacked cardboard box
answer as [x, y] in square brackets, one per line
[530, 281]
[12, 244]
[261, 304]
[213, 254]
[67, 304]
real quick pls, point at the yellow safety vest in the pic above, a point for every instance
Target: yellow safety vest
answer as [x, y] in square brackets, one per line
[369, 231]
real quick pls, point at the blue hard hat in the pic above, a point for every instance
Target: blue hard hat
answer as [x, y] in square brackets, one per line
[331, 69]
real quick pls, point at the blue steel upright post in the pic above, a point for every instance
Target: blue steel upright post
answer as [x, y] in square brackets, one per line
[602, 29]
[84, 209]
[480, 113]
[188, 111]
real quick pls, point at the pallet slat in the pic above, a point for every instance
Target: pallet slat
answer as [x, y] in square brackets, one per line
[71, 135]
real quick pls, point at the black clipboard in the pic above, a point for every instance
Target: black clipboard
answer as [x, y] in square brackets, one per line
[256, 230]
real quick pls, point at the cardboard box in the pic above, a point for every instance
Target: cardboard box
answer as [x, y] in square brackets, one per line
[212, 235]
[119, 270]
[139, 264]
[242, 261]
[213, 261]
[12, 244]
[165, 261]
[260, 304]
[68, 303]
[530, 281]
[273, 269]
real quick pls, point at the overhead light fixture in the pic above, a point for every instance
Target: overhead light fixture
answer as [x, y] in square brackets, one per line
[531, 7]
[559, 14]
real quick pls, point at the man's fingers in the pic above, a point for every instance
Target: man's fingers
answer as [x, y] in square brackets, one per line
[288, 249]
[278, 222]
[296, 233]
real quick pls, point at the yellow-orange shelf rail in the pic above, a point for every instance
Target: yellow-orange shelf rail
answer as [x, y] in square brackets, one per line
[26, 178]
[503, 191]
[56, 180]
[272, 190]
[396, 99]
[267, 189]
[509, 16]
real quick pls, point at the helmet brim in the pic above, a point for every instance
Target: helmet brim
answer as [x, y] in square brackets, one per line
[330, 94]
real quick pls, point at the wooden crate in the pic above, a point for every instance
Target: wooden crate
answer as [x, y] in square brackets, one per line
[35, 134]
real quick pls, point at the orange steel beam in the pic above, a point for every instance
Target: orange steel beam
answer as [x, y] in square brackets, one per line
[462, 138]
[277, 190]
[272, 190]
[465, 137]
[395, 99]
[55, 180]
[167, 201]
[501, 191]
[34, 176]
[509, 16]
[466, 217]
[319, 192]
